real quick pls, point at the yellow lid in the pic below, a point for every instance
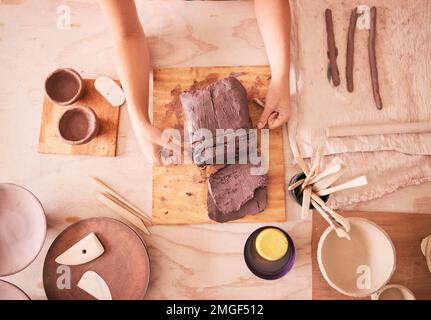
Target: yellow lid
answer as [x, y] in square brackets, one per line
[271, 244]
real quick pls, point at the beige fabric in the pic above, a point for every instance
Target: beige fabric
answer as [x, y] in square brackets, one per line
[404, 64]
[403, 58]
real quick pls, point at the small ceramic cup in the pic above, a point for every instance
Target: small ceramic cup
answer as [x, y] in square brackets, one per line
[394, 292]
[64, 86]
[265, 266]
[296, 193]
[78, 125]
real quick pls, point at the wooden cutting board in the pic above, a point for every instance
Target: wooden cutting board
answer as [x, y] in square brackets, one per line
[180, 192]
[406, 231]
[105, 144]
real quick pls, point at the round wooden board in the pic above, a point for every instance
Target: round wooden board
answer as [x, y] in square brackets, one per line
[124, 265]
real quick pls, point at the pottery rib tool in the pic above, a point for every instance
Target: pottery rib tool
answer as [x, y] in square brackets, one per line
[341, 233]
[373, 60]
[376, 129]
[337, 217]
[357, 182]
[106, 188]
[85, 250]
[112, 203]
[333, 72]
[93, 284]
[351, 49]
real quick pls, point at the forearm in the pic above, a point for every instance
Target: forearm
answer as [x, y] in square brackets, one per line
[273, 18]
[132, 57]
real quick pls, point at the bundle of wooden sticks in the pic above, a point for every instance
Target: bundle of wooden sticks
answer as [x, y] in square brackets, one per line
[318, 182]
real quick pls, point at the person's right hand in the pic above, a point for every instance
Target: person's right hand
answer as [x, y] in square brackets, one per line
[156, 151]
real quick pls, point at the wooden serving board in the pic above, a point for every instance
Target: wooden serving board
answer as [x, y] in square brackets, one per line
[406, 231]
[105, 144]
[180, 192]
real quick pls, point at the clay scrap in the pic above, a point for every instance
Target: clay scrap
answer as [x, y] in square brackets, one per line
[233, 192]
[333, 72]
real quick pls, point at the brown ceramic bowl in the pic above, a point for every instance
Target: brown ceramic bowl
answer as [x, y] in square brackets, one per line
[64, 86]
[78, 125]
[22, 228]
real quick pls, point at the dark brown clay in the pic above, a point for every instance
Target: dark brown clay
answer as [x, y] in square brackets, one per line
[78, 125]
[64, 86]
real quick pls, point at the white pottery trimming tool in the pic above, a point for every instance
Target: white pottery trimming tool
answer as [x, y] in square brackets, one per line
[85, 250]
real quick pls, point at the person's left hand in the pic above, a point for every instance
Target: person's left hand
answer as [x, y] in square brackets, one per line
[277, 105]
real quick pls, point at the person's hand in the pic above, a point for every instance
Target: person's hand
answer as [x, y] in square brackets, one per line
[277, 105]
[159, 151]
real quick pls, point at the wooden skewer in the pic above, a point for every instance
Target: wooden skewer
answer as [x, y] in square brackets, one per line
[337, 217]
[295, 185]
[328, 171]
[376, 129]
[341, 233]
[310, 175]
[305, 168]
[258, 102]
[306, 198]
[360, 181]
[107, 189]
[108, 201]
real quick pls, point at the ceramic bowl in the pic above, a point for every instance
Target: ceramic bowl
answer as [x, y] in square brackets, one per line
[22, 228]
[78, 125]
[64, 86]
[358, 267]
[394, 292]
[8, 291]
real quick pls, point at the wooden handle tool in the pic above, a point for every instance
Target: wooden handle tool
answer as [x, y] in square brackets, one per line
[337, 217]
[107, 189]
[106, 199]
[358, 182]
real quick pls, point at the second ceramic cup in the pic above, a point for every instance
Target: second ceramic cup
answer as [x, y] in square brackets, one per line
[78, 125]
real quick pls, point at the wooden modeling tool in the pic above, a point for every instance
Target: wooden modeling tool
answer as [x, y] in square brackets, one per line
[341, 233]
[84, 251]
[376, 129]
[117, 206]
[358, 182]
[327, 172]
[124, 202]
[306, 199]
[337, 217]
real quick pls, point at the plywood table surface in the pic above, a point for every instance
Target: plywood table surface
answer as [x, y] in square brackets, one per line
[406, 232]
[180, 192]
[188, 262]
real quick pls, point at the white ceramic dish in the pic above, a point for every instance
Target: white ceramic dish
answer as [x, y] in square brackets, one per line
[358, 267]
[22, 228]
